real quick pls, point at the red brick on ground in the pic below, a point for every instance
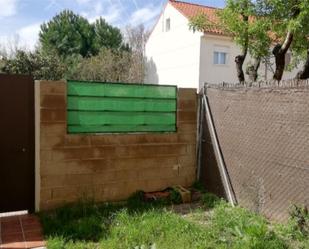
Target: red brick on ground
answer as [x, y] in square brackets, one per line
[21, 232]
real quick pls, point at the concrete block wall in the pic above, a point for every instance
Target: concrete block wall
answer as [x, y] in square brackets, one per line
[110, 167]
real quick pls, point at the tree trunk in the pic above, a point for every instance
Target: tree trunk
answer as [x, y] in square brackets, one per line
[279, 52]
[280, 62]
[304, 73]
[252, 70]
[239, 60]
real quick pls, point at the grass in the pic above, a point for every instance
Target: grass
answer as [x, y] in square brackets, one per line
[140, 225]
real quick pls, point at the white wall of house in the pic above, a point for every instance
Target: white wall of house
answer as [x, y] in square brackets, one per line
[173, 57]
[214, 74]
[181, 57]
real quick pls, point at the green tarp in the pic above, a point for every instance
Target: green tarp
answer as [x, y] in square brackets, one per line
[95, 107]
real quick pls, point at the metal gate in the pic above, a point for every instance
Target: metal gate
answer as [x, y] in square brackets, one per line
[17, 170]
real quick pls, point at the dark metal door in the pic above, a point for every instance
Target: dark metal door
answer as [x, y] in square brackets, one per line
[17, 173]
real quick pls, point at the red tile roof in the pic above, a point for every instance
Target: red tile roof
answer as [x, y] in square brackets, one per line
[190, 10]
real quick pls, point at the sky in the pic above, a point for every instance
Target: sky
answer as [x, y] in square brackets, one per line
[20, 20]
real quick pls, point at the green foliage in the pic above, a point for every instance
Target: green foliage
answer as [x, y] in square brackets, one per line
[238, 228]
[153, 229]
[72, 48]
[109, 66]
[288, 16]
[300, 218]
[80, 222]
[300, 26]
[144, 225]
[175, 196]
[210, 200]
[107, 36]
[40, 65]
[235, 20]
[71, 34]
[241, 20]
[197, 185]
[200, 22]
[2, 64]
[295, 232]
[136, 201]
[68, 33]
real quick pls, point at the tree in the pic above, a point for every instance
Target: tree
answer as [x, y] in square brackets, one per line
[2, 63]
[249, 30]
[137, 38]
[68, 33]
[300, 49]
[108, 66]
[280, 49]
[235, 18]
[107, 36]
[71, 34]
[115, 65]
[300, 45]
[38, 64]
[290, 28]
[303, 74]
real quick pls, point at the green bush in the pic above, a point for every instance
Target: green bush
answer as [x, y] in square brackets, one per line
[210, 200]
[300, 218]
[175, 196]
[42, 66]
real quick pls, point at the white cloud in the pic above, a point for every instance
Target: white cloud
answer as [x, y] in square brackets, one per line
[115, 12]
[10, 43]
[25, 38]
[112, 11]
[98, 8]
[8, 8]
[145, 15]
[29, 35]
[111, 14]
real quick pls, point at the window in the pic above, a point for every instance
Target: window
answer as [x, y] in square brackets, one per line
[220, 58]
[168, 24]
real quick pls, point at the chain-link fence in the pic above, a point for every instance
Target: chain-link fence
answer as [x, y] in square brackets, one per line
[263, 134]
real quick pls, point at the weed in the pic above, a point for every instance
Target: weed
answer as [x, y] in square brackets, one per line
[197, 185]
[136, 200]
[238, 228]
[175, 196]
[300, 217]
[150, 225]
[210, 200]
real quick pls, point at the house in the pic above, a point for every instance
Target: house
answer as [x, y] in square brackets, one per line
[178, 56]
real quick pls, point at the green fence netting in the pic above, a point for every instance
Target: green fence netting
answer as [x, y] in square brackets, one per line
[95, 107]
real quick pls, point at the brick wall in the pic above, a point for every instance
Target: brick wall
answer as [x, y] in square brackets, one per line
[111, 167]
[264, 137]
